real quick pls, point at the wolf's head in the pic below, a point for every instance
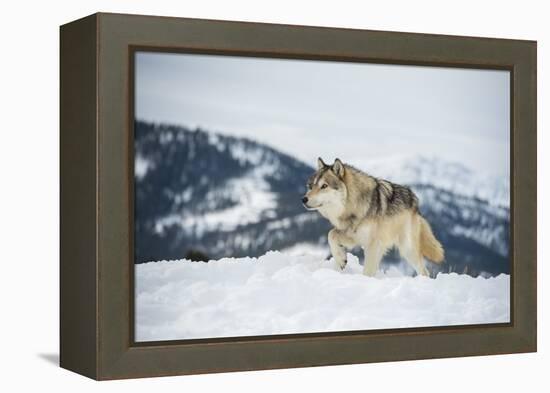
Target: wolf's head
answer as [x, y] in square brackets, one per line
[326, 188]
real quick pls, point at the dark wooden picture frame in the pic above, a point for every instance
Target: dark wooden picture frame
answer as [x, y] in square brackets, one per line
[97, 196]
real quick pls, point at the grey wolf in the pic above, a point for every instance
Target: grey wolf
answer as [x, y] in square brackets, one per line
[372, 213]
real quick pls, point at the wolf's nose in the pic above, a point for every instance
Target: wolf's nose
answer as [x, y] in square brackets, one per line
[304, 200]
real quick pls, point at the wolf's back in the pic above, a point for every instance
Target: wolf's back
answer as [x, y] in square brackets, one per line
[430, 247]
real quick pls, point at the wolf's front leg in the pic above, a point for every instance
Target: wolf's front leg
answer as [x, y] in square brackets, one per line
[337, 242]
[373, 256]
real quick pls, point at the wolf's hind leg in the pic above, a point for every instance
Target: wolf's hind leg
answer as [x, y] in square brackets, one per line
[416, 260]
[337, 242]
[373, 256]
[420, 267]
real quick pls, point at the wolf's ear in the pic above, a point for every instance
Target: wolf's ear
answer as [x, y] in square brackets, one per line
[338, 167]
[320, 163]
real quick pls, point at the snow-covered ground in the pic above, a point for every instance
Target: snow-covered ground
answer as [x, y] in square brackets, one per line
[283, 293]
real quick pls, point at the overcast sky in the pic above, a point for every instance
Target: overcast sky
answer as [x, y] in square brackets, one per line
[316, 108]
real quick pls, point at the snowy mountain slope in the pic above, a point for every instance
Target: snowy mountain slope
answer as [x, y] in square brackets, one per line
[449, 176]
[468, 217]
[226, 196]
[280, 294]
[229, 196]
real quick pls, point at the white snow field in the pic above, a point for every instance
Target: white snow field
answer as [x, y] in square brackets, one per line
[283, 293]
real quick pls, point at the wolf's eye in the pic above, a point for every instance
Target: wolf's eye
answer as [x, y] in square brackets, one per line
[324, 186]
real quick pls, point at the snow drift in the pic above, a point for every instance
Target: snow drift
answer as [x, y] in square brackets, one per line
[280, 293]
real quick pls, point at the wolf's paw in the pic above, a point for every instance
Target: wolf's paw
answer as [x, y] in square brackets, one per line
[369, 272]
[342, 265]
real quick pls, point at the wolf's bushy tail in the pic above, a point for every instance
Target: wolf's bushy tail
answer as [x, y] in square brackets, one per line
[429, 245]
